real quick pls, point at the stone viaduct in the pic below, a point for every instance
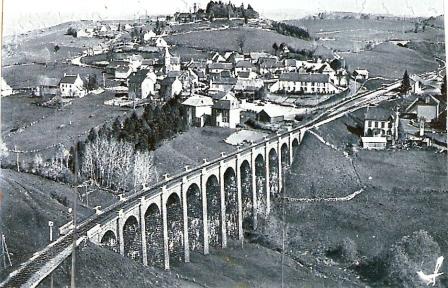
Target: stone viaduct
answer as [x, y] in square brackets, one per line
[201, 207]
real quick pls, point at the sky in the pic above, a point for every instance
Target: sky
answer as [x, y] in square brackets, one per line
[23, 15]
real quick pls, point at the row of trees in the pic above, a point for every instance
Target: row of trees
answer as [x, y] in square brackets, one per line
[218, 9]
[290, 30]
[119, 156]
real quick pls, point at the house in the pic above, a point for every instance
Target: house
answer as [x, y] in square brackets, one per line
[216, 68]
[361, 74]
[222, 83]
[141, 84]
[426, 108]
[128, 27]
[249, 75]
[270, 115]
[148, 63]
[113, 65]
[188, 78]
[290, 65]
[254, 56]
[225, 110]
[147, 36]
[72, 86]
[135, 61]
[267, 65]
[380, 127]
[6, 90]
[234, 57]
[83, 33]
[296, 83]
[244, 66]
[123, 71]
[199, 110]
[184, 17]
[216, 57]
[47, 87]
[158, 42]
[170, 87]
[248, 88]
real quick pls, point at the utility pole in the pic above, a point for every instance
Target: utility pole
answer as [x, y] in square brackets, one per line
[75, 199]
[50, 225]
[283, 224]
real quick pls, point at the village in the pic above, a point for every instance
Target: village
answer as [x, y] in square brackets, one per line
[217, 137]
[235, 89]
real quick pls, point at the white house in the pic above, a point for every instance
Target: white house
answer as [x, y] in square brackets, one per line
[296, 83]
[72, 86]
[199, 109]
[380, 127]
[159, 42]
[142, 84]
[426, 108]
[149, 35]
[226, 110]
[361, 74]
[6, 90]
[135, 62]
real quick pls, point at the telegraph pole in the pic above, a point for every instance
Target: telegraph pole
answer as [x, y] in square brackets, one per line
[75, 199]
[283, 224]
[50, 225]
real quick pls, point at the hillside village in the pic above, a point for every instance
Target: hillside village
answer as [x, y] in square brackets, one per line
[135, 107]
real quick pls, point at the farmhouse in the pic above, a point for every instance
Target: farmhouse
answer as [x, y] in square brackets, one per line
[426, 108]
[141, 84]
[226, 110]
[199, 110]
[170, 62]
[72, 86]
[297, 83]
[47, 87]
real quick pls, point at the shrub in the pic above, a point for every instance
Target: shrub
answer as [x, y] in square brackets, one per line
[411, 254]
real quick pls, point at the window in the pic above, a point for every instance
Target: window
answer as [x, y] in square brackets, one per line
[377, 125]
[383, 124]
[225, 116]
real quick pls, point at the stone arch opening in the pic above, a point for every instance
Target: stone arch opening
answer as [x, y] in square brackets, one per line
[273, 173]
[285, 156]
[247, 196]
[154, 235]
[260, 189]
[214, 211]
[231, 203]
[132, 239]
[295, 147]
[109, 241]
[175, 229]
[194, 214]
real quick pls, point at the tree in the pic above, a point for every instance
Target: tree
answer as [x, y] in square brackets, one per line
[275, 47]
[417, 252]
[405, 83]
[71, 31]
[56, 48]
[241, 42]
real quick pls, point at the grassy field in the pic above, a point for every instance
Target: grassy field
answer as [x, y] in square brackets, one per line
[30, 75]
[405, 191]
[59, 126]
[190, 148]
[38, 45]
[390, 61]
[225, 40]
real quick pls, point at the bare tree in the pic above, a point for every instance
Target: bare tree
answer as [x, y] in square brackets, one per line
[144, 171]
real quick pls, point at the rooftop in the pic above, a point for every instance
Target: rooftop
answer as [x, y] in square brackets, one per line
[198, 101]
[297, 77]
[378, 114]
